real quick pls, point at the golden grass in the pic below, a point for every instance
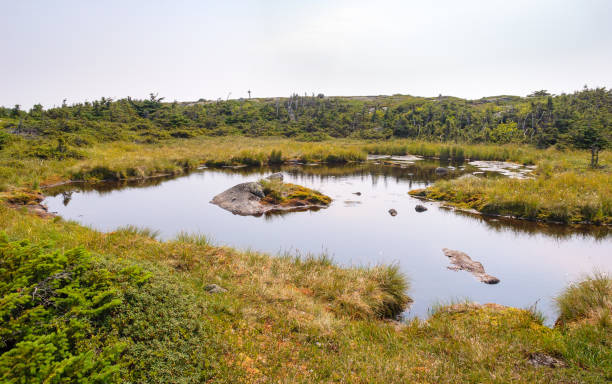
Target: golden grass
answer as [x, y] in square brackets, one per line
[287, 194]
[567, 197]
[289, 319]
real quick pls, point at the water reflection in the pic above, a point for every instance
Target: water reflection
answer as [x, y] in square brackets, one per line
[534, 261]
[416, 174]
[557, 231]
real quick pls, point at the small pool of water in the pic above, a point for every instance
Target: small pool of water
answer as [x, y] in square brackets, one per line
[533, 261]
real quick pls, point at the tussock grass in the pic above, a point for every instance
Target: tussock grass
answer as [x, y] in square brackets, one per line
[457, 152]
[301, 319]
[361, 293]
[444, 305]
[589, 300]
[194, 238]
[567, 197]
[287, 319]
[138, 231]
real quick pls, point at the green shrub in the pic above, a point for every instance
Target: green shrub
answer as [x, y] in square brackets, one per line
[53, 305]
[445, 154]
[276, 157]
[182, 134]
[4, 139]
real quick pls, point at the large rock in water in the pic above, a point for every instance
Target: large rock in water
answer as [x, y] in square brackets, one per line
[242, 199]
[249, 199]
[462, 261]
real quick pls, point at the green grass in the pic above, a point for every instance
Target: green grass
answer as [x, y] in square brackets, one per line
[194, 238]
[567, 197]
[289, 319]
[138, 231]
[589, 300]
[283, 319]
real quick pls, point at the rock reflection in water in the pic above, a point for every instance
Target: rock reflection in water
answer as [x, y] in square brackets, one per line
[534, 261]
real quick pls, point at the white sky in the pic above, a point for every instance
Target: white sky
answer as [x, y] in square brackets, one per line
[186, 50]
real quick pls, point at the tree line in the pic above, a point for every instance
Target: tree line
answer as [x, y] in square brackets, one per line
[581, 119]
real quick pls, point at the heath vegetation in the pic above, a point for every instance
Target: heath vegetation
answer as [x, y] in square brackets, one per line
[77, 305]
[123, 306]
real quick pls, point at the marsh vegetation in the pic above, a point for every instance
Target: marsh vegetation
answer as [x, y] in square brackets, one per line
[131, 304]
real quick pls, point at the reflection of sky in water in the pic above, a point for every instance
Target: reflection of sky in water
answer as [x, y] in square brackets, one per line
[532, 267]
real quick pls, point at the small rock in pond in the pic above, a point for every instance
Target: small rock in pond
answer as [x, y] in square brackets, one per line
[420, 208]
[357, 193]
[441, 170]
[462, 261]
[214, 288]
[276, 176]
[544, 360]
[392, 212]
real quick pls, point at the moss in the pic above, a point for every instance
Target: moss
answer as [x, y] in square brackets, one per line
[286, 194]
[22, 197]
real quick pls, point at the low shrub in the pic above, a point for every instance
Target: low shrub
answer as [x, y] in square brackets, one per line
[54, 306]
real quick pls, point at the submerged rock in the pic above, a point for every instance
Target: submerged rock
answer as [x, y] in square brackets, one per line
[393, 212]
[276, 176]
[462, 261]
[357, 193]
[420, 208]
[441, 170]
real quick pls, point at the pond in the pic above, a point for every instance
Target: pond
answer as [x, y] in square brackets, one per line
[534, 261]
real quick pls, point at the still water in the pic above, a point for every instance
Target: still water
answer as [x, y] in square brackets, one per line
[533, 261]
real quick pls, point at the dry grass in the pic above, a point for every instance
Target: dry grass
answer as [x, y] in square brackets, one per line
[290, 319]
[567, 197]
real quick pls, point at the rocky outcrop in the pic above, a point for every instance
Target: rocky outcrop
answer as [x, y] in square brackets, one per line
[249, 199]
[462, 261]
[242, 199]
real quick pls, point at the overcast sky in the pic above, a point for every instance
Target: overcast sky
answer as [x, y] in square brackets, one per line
[185, 50]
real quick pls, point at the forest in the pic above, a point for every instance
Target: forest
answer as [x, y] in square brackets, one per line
[579, 120]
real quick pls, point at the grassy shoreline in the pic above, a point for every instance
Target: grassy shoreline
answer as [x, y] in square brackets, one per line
[124, 160]
[565, 198]
[565, 188]
[291, 319]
